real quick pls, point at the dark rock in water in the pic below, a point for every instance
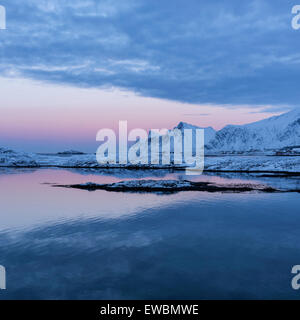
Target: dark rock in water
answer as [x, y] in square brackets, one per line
[70, 152]
[169, 186]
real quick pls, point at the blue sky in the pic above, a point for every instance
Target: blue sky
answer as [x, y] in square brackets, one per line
[229, 52]
[69, 68]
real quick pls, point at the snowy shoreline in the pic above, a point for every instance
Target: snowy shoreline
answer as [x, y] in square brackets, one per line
[268, 146]
[255, 164]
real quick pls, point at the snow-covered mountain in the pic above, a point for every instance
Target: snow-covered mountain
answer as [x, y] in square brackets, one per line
[178, 131]
[275, 133]
[209, 132]
[279, 134]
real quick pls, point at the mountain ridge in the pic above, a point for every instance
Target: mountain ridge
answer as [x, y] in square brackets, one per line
[278, 134]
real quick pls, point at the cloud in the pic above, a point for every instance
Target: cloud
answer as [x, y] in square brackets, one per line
[225, 52]
[197, 114]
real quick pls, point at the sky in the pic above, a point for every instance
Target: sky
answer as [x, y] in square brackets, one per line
[69, 68]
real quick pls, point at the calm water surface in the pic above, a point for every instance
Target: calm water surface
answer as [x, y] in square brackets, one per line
[61, 243]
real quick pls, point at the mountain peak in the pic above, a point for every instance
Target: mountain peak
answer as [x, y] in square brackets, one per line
[277, 132]
[184, 125]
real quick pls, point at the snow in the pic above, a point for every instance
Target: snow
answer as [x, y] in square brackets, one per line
[153, 184]
[170, 186]
[209, 132]
[276, 135]
[10, 158]
[253, 163]
[215, 163]
[269, 134]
